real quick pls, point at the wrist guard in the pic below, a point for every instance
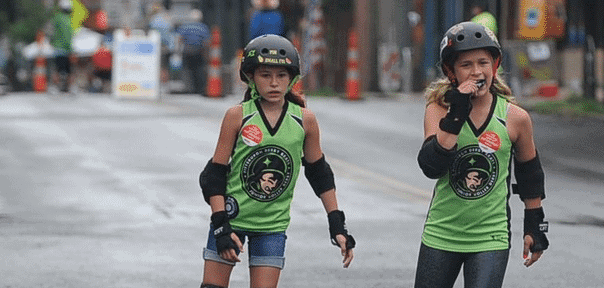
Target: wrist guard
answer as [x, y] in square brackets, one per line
[536, 228]
[222, 231]
[213, 180]
[459, 110]
[337, 226]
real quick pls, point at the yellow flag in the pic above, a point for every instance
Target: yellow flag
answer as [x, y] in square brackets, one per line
[79, 14]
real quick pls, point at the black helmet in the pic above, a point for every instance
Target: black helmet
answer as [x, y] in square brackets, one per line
[272, 50]
[467, 36]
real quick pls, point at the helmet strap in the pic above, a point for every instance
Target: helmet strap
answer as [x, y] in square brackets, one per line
[293, 82]
[253, 91]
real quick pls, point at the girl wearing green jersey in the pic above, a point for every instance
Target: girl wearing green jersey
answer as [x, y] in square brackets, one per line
[473, 132]
[249, 182]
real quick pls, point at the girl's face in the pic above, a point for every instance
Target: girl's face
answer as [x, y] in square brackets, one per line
[271, 82]
[475, 65]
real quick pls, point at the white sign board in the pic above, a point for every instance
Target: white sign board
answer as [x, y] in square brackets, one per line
[136, 65]
[389, 72]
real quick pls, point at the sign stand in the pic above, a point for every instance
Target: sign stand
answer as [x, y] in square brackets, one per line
[136, 65]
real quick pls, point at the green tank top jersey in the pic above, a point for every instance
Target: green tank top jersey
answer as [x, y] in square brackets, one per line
[265, 165]
[469, 211]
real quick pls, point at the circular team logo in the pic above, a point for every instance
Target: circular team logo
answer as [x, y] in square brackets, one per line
[267, 172]
[231, 206]
[473, 172]
[489, 142]
[251, 135]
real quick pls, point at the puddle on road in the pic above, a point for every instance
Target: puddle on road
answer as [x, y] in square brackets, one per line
[583, 220]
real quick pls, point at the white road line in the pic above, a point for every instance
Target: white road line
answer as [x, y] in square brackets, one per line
[380, 182]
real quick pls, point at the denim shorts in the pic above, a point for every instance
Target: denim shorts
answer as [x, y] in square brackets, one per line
[264, 248]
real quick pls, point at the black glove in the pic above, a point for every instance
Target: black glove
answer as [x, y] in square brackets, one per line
[458, 113]
[337, 226]
[536, 228]
[222, 231]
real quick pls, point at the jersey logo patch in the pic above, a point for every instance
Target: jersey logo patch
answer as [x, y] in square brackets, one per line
[267, 172]
[251, 135]
[231, 206]
[473, 172]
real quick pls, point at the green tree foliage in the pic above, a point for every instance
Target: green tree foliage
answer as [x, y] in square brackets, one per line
[31, 16]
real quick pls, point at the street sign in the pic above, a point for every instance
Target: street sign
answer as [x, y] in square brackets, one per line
[136, 65]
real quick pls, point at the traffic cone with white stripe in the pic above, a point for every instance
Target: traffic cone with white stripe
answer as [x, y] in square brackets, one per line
[39, 79]
[298, 86]
[352, 74]
[39, 75]
[214, 88]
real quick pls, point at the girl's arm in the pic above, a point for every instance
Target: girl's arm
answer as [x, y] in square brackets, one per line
[226, 240]
[529, 174]
[312, 155]
[229, 129]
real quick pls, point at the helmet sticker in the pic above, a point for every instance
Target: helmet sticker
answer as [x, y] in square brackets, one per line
[272, 52]
[288, 61]
[473, 173]
[252, 53]
[251, 135]
[260, 59]
[456, 29]
[443, 43]
[491, 35]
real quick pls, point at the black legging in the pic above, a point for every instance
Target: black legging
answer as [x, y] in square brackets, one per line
[438, 268]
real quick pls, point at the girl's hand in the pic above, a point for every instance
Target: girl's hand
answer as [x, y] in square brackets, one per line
[231, 254]
[347, 253]
[468, 87]
[528, 261]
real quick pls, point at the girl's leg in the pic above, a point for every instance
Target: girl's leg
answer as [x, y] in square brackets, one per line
[266, 254]
[264, 277]
[216, 273]
[485, 269]
[437, 268]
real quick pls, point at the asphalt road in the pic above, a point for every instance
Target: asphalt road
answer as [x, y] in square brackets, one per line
[100, 192]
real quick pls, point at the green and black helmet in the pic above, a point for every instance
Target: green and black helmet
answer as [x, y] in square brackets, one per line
[271, 50]
[467, 36]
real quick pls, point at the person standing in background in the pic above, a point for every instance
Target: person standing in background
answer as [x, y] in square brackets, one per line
[266, 19]
[483, 17]
[61, 39]
[194, 37]
[162, 22]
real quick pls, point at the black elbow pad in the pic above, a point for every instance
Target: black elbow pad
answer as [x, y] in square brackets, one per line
[319, 175]
[433, 159]
[530, 179]
[213, 180]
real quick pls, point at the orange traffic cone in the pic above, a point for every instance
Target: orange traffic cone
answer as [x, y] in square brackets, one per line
[214, 88]
[352, 74]
[40, 82]
[298, 86]
[39, 75]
